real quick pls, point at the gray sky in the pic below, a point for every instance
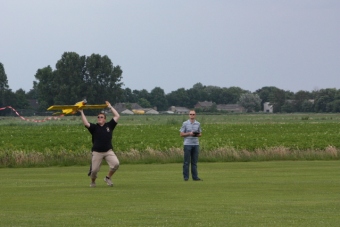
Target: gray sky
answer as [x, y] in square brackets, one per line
[291, 44]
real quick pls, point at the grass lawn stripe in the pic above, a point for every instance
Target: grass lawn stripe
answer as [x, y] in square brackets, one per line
[287, 193]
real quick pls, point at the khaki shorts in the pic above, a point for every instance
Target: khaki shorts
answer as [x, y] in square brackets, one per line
[97, 158]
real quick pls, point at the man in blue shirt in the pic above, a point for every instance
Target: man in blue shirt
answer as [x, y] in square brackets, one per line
[190, 131]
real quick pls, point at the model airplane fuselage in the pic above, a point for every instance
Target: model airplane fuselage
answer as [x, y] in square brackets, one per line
[72, 109]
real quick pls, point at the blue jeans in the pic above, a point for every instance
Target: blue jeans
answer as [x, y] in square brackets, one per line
[190, 157]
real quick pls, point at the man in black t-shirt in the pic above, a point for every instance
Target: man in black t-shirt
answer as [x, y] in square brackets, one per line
[102, 144]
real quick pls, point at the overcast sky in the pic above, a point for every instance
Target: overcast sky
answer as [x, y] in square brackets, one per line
[291, 44]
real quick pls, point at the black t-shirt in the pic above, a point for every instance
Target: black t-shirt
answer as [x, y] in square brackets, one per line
[102, 136]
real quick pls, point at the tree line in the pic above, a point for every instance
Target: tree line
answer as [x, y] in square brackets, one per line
[95, 78]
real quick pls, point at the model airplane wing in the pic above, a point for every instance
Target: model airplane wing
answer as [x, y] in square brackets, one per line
[102, 106]
[61, 107]
[72, 109]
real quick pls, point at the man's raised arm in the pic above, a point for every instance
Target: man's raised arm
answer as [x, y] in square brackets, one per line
[116, 115]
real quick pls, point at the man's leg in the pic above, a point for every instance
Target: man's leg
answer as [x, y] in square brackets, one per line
[90, 170]
[113, 163]
[97, 158]
[194, 160]
[187, 151]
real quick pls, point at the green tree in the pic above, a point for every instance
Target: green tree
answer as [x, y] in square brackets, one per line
[128, 96]
[213, 93]
[307, 106]
[78, 77]
[21, 100]
[33, 93]
[197, 93]
[178, 98]
[323, 98]
[68, 79]
[335, 106]
[142, 94]
[9, 100]
[251, 102]
[289, 95]
[144, 103]
[273, 95]
[102, 79]
[288, 107]
[321, 103]
[230, 95]
[45, 87]
[300, 97]
[158, 99]
[3, 85]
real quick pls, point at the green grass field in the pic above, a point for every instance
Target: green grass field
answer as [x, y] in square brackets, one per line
[155, 139]
[282, 193]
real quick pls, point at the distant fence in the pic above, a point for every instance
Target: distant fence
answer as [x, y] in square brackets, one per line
[23, 112]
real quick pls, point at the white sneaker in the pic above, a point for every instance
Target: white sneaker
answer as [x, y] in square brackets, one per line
[93, 185]
[108, 181]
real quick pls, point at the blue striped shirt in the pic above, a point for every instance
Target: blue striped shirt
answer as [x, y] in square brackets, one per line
[187, 126]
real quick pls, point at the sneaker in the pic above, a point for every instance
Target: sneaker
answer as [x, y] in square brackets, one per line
[93, 185]
[108, 181]
[185, 179]
[198, 179]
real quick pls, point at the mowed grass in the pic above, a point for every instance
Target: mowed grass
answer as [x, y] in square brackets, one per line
[283, 193]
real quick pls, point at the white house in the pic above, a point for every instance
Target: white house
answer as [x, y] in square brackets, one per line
[127, 111]
[267, 107]
[179, 110]
[152, 111]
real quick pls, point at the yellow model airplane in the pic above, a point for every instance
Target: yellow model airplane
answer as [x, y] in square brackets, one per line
[72, 109]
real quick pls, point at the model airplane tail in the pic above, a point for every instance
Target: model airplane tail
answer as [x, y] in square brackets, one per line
[72, 109]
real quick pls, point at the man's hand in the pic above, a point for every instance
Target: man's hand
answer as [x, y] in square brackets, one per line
[108, 104]
[195, 134]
